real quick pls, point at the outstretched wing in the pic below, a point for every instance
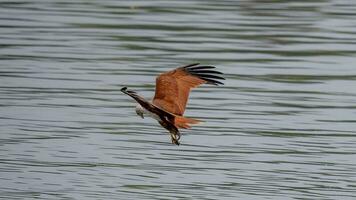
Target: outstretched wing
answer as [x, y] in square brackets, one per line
[147, 105]
[173, 87]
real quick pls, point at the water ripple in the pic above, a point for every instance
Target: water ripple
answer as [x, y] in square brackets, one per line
[282, 127]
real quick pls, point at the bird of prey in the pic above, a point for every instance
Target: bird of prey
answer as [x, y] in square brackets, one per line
[171, 96]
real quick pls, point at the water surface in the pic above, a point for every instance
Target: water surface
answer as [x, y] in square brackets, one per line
[282, 127]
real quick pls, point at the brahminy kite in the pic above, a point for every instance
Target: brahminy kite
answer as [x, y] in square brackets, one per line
[171, 96]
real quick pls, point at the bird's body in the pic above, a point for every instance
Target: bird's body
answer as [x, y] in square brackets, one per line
[171, 97]
[143, 112]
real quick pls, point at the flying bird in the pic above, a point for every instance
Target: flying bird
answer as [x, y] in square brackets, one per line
[171, 96]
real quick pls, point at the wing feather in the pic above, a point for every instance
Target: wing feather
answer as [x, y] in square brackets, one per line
[173, 87]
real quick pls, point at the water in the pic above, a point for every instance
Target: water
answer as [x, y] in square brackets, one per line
[282, 127]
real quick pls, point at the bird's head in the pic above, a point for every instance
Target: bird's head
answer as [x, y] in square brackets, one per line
[139, 110]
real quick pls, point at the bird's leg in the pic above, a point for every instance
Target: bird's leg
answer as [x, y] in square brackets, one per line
[175, 138]
[174, 141]
[173, 131]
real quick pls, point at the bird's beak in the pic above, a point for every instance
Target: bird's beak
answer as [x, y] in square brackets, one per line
[141, 115]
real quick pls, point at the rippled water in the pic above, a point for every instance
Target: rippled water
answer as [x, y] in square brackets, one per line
[282, 127]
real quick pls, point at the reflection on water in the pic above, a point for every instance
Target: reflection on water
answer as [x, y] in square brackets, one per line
[283, 126]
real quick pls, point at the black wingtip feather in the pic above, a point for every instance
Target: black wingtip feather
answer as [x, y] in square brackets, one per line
[205, 73]
[124, 90]
[208, 76]
[200, 67]
[191, 65]
[213, 82]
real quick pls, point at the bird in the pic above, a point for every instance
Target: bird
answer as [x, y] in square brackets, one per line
[171, 96]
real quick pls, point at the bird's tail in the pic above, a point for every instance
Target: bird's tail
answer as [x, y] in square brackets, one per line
[183, 122]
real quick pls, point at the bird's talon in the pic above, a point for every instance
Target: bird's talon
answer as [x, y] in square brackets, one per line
[174, 141]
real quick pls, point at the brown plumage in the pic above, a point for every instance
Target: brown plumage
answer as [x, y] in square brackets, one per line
[171, 96]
